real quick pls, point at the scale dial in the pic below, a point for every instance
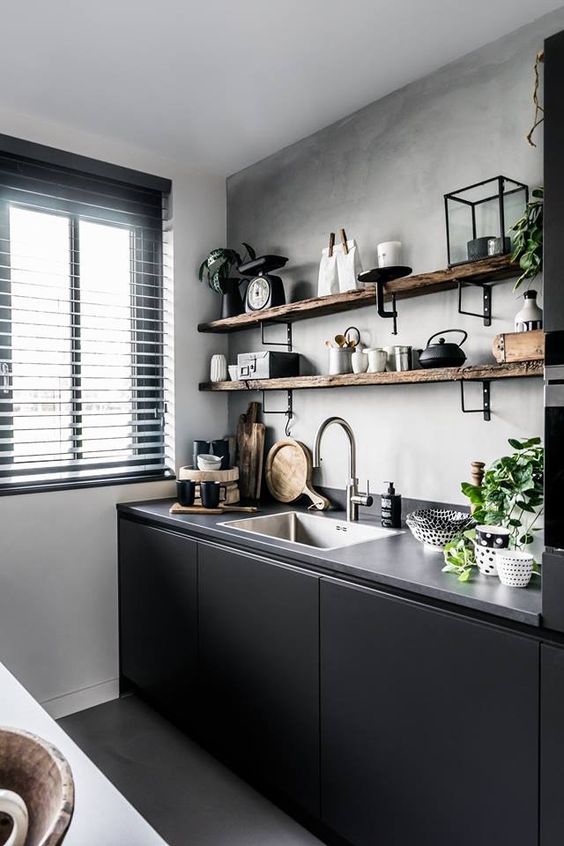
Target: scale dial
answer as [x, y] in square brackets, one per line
[258, 293]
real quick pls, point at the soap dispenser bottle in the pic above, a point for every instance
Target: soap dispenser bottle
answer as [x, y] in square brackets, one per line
[391, 508]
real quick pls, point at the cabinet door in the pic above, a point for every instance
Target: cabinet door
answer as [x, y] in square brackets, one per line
[158, 615]
[259, 653]
[552, 746]
[429, 725]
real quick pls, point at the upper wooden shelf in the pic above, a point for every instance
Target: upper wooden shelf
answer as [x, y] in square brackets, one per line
[488, 270]
[474, 373]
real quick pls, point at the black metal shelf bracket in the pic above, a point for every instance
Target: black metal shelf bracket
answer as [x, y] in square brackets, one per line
[288, 413]
[393, 314]
[486, 403]
[486, 314]
[287, 343]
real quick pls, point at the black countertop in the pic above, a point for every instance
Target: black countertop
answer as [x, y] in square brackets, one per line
[398, 561]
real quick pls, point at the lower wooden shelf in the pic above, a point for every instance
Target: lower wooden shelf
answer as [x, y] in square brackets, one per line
[474, 373]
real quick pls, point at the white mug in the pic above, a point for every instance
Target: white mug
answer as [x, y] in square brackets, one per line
[377, 359]
[389, 253]
[14, 806]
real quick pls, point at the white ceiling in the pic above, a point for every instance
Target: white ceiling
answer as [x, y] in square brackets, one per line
[219, 84]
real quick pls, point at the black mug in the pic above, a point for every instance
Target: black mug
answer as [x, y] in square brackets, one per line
[185, 492]
[220, 447]
[210, 492]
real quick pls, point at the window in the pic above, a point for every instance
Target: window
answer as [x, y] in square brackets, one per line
[85, 365]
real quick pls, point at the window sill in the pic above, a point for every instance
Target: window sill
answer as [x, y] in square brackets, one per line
[47, 487]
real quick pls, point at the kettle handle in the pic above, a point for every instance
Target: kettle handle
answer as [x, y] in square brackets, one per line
[444, 331]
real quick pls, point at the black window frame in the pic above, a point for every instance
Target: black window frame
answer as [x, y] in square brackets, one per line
[146, 292]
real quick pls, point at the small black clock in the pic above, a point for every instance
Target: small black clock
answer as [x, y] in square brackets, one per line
[263, 290]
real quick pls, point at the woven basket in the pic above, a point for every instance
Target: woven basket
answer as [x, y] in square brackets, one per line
[42, 776]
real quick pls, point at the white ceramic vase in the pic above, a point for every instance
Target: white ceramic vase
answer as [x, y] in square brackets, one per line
[529, 317]
[218, 368]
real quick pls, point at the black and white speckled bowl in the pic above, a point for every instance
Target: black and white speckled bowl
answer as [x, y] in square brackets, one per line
[435, 527]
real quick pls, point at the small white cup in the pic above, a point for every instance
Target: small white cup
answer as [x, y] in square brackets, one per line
[389, 253]
[377, 359]
[359, 360]
[514, 567]
[14, 806]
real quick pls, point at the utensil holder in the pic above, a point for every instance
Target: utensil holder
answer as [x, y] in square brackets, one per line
[340, 361]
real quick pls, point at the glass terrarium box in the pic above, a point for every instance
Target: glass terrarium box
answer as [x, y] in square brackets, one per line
[479, 219]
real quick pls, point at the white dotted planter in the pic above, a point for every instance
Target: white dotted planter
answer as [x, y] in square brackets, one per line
[514, 567]
[486, 559]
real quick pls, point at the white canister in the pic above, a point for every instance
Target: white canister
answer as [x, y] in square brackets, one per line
[377, 359]
[359, 360]
[390, 358]
[389, 253]
[340, 360]
[218, 368]
[529, 317]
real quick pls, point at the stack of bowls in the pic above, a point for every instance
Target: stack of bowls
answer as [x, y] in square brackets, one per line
[435, 527]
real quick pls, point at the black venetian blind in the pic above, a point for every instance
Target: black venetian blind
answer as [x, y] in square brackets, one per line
[84, 349]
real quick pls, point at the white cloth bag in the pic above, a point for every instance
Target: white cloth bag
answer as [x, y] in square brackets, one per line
[328, 280]
[349, 264]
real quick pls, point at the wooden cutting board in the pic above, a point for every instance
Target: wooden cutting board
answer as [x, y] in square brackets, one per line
[250, 446]
[222, 509]
[288, 473]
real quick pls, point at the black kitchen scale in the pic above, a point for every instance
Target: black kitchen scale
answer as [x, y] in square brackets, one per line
[263, 290]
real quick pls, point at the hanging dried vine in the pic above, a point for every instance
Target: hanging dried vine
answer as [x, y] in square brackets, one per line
[539, 111]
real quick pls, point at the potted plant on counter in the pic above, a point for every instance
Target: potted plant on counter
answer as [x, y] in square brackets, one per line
[511, 496]
[218, 269]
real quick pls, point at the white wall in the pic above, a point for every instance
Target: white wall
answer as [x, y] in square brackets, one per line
[381, 173]
[58, 574]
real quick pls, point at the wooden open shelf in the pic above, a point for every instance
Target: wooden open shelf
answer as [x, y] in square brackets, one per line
[488, 270]
[478, 373]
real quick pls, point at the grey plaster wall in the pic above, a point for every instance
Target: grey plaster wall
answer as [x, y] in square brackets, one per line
[381, 173]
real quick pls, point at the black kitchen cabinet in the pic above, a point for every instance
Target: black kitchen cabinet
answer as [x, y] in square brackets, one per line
[158, 616]
[552, 746]
[259, 661]
[429, 725]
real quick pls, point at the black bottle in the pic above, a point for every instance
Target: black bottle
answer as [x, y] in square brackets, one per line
[391, 508]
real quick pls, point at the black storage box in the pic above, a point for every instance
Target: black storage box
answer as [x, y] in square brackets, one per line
[267, 365]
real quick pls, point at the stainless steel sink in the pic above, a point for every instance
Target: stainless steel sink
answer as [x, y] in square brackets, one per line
[313, 530]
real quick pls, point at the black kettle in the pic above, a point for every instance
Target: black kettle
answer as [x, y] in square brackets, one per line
[442, 354]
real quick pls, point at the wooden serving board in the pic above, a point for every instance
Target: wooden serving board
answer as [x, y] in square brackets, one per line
[250, 446]
[191, 474]
[288, 473]
[222, 509]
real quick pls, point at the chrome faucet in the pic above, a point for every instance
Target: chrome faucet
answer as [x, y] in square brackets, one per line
[354, 496]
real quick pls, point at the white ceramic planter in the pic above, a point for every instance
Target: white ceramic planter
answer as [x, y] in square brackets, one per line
[486, 559]
[514, 567]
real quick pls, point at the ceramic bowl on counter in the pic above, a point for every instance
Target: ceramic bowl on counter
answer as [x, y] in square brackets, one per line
[209, 462]
[435, 527]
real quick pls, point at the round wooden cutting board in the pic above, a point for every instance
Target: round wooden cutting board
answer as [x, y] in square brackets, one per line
[288, 473]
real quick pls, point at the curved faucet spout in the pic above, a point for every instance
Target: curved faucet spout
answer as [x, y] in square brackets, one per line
[337, 421]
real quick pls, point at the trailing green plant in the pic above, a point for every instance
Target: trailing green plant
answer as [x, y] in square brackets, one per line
[527, 241]
[511, 495]
[220, 263]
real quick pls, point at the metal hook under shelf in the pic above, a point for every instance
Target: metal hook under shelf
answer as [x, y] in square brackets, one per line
[486, 403]
[288, 413]
[287, 343]
[486, 313]
[393, 314]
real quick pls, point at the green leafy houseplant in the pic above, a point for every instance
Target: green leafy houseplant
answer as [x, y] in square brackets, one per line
[219, 265]
[511, 495]
[527, 241]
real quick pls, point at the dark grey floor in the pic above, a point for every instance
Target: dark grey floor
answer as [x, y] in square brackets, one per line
[184, 793]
